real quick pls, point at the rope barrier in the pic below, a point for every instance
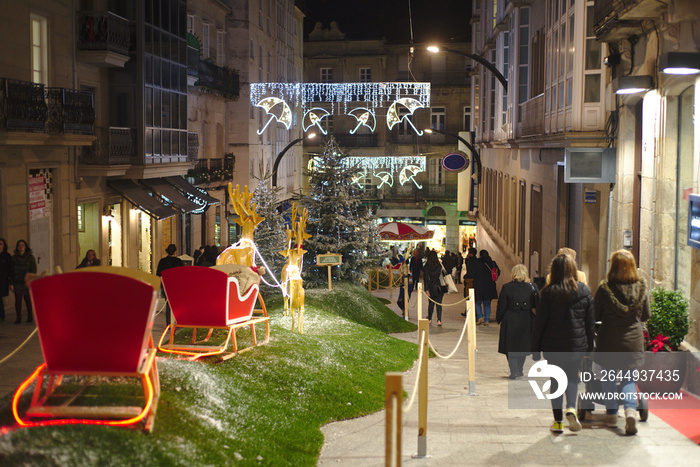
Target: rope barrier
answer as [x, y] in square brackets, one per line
[442, 304]
[20, 346]
[459, 342]
[415, 386]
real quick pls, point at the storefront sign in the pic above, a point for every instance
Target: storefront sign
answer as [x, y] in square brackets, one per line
[405, 220]
[591, 196]
[435, 222]
[329, 259]
[455, 161]
[694, 220]
[467, 222]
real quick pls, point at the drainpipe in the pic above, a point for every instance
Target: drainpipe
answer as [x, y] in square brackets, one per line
[610, 217]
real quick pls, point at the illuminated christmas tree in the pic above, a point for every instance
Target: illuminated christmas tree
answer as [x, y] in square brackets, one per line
[338, 221]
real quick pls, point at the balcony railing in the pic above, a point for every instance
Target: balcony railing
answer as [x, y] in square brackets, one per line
[113, 146]
[192, 145]
[221, 81]
[70, 111]
[22, 106]
[357, 141]
[103, 30]
[533, 116]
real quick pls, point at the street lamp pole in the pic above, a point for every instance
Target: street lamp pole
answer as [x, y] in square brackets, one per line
[475, 153]
[477, 58]
[286, 148]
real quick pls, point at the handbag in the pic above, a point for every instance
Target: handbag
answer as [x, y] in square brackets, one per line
[451, 287]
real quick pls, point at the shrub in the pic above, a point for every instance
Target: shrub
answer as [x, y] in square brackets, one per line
[669, 316]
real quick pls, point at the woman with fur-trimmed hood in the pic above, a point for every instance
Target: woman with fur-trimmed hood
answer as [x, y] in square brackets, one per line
[621, 306]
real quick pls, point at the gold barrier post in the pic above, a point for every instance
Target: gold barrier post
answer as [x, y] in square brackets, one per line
[419, 300]
[405, 298]
[391, 283]
[377, 278]
[393, 400]
[423, 391]
[369, 281]
[471, 342]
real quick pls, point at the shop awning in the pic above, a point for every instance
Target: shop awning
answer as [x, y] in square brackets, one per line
[172, 194]
[141, 198]
[196, 195]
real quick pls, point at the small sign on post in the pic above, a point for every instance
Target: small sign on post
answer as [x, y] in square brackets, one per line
[329, 259]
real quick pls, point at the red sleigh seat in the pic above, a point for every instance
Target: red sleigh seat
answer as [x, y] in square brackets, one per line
[91, 324]
[207, 298]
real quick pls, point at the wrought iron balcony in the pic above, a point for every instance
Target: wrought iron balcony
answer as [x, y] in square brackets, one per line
[357, 141]
[22, 105]
[70, 111]
[103, 31]
[192, 146]
[113, 146]
[218, 80]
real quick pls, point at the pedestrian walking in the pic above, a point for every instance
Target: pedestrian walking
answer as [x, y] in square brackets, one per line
[416, 267]
[5, 269]
[515, 315]
[621, 306]
[433, 288]
[170, 261]
[485, 287]
[22, 263]
[564, 331]
[571, 253]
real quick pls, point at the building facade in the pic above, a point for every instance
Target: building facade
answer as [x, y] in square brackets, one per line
[427, 196]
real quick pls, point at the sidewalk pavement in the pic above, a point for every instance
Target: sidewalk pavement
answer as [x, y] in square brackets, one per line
[481, 429]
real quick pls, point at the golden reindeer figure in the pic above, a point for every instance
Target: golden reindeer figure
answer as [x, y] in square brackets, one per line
[244, 252]
[291, 272]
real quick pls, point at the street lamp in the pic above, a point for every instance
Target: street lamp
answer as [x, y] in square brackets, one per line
[286, 148]
[475, 153]
[477, 58]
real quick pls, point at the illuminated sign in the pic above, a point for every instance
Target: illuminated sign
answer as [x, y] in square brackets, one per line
[694, 220]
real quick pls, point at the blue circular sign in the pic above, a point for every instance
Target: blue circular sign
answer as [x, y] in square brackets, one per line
[455, 161]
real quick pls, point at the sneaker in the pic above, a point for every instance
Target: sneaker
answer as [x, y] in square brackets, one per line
[630, 422]
[574, 424]
[557, 427]
[480, 321]
[610, 420]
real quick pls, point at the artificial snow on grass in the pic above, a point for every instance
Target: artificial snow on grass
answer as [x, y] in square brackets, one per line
[262, 407]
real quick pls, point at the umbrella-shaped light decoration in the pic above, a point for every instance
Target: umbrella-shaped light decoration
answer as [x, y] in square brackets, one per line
[364, 117]
[393, 117]
[314, 117]
[386, 178]
[358, 179]
[278, 109]
[401, 232]
[408, 173]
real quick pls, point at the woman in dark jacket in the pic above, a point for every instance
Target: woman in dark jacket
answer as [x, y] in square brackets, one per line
[5, 268]
[564, 331]
[89, 260]
[484, 287]
[23, 263]
[621, 306]
[515, 314]
[431, 281]
[416, 267]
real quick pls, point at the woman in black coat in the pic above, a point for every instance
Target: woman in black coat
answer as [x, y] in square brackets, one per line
[5, 269]
[23, 263]
[170, 261]
[564, 331]
[515, 315]
[484, 287]
[431, 281]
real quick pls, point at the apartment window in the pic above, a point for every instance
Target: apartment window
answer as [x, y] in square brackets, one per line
[436, 172]
[591, 85]
[205, 40]
[520, 247]
[326, 75]
[492, 94]
[467, 118]
[365, 75]
[523, 59]
[405, 121]
[190, 24]
[269, 67]
[437, 118]
[269, 9]
[260, 13]
[220, 48]
[328, 124]
[39, 49]
[506, 58]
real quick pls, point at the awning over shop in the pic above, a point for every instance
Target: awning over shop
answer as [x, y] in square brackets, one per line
[172, 194]
[196, 195]
[141, 198]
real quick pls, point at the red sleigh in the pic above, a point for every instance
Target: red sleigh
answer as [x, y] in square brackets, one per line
[208, 299]
[96, 326]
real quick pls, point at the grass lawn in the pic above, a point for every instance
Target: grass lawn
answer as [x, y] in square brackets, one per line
[263, 407]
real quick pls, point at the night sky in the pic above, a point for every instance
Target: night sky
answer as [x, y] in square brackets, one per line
[433, 21]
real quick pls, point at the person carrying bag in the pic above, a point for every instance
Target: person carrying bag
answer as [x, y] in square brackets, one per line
[433, 280]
